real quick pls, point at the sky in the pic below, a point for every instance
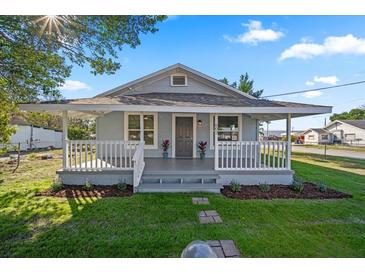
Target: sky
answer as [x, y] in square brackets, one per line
[280, 53]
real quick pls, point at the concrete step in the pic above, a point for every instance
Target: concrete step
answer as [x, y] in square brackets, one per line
[169, 188]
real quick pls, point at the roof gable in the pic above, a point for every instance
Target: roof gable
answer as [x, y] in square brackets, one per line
[135, 87]
[355, 123]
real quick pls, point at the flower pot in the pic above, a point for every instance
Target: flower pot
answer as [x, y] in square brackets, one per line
[165, 155]
[202, 156]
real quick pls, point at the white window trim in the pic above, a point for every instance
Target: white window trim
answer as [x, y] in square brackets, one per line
[155, 127]
[211, 126]
[173, 133]
[179, 74]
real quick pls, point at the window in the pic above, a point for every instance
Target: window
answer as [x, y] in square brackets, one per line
[229, 128]
[350, 137]
[134, 122]
[310, 137]
[178, 80]
[324, 137]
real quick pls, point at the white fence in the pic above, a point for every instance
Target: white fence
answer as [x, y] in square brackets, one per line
[99, 155]
[251, 155]
[138, 164]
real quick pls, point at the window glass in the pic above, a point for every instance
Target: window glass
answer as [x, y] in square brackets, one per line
[148, 122]
[228, 128]
[134, 135]
[178, 80]
[134, 128]
[148, 137]
[133, 121]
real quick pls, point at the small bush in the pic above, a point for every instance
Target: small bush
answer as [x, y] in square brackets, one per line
[321, 187]
[122, 186]
[88, 185]
[264, 187]
[297, 186]
[57, 185]
[235, 187]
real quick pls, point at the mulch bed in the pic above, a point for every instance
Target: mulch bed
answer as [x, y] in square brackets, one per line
[79, 192]
[283, 192]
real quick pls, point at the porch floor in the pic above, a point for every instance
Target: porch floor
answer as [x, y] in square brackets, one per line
[174, 165]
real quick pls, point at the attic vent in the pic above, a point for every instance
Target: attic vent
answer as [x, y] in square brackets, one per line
[178, 80]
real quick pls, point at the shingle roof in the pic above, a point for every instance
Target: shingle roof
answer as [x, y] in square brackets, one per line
[355, 123]
[319, 130]
[181, 99]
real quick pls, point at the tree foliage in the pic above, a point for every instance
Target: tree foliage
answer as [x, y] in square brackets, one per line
[37, 53]
[245, 84]
[354, 114]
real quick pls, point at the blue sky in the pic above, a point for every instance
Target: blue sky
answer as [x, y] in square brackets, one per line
[281, 53]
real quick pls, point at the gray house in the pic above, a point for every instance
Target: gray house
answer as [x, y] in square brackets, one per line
[183, 106]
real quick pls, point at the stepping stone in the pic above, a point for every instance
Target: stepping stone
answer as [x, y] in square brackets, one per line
[209, 217]
[224, 248]
[200, 201]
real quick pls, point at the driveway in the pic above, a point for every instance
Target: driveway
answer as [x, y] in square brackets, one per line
[332, 152]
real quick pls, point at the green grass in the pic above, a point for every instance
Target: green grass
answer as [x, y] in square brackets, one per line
[336, 147]
[161, 225]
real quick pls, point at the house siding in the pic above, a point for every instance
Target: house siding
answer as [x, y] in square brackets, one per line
[164, 86]
[111, 127]
[340, 129]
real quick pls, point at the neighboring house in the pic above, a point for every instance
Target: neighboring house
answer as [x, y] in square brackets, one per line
[315, 136]
[33, 137]
[350, 132]
[184, 106]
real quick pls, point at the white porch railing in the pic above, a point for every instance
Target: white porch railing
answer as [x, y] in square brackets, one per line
[251, 155]
[89, 155]
[138, 164]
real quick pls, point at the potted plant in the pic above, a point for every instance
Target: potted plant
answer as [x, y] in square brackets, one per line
[165, 147]
[202, 148]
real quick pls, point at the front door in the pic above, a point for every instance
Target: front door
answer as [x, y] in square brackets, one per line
[184, 137]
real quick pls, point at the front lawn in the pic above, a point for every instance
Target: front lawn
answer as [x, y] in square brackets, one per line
[161, 225]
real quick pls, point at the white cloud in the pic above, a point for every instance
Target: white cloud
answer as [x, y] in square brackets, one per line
[73, 85]
[255, 34]
[332, 45]
[312, 94]
[330, 80]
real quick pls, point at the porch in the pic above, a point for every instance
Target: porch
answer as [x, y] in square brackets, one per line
[107, 162]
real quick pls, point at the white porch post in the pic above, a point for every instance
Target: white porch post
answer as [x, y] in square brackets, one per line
[65, 138]
[141, 125]
[215, 130]
[288, 135]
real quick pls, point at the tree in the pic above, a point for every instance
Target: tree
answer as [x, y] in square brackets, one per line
[37, 53]
[354, 114]
[244, 85]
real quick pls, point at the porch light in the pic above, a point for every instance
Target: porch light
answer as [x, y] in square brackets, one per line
[200, 123]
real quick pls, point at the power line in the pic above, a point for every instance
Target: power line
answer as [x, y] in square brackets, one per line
[316, 89]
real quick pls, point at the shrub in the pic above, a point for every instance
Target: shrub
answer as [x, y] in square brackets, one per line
[88, 185]
[57, 185]
[297, 186]
[321, 187]
[122, 186]
[264, 187]
[235, 187]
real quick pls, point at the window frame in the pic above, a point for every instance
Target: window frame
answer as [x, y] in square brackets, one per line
[178, 74]
[211, 128]
[155, 127]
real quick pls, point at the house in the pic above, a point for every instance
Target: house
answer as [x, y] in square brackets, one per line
[315, 136]
[349, 132]
[34, 137]
[184, 106]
